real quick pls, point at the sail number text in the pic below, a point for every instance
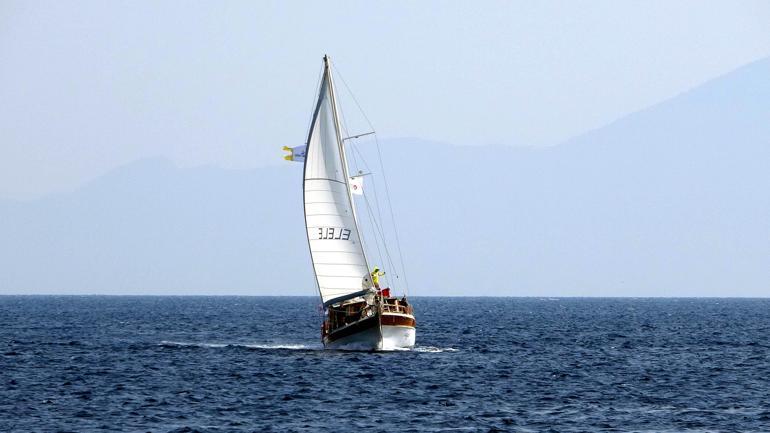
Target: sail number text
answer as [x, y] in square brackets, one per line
[336, 233]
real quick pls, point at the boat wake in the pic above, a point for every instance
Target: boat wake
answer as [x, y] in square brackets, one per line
[431, 349]
[272, 346]
[279, 346]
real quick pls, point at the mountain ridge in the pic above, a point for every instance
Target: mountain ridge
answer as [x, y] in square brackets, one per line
[670, 200]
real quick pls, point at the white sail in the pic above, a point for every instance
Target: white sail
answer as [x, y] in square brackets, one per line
[338, 256]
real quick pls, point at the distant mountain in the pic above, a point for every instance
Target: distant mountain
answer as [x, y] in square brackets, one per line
[670, 201]
[150, 227]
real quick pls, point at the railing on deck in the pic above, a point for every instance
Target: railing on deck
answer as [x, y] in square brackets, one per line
[342, 316]
[393, 305]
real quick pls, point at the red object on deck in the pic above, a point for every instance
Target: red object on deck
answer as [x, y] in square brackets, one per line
[385, 292]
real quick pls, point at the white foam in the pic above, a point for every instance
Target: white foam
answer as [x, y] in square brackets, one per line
[286, 346]
[185, 344]
[431, 349]
[282, 346]
[395, 349]
[246, 345]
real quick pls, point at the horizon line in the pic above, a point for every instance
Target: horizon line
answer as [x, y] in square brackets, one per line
[416, 296]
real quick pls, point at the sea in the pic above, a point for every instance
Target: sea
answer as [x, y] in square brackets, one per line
[255, 364]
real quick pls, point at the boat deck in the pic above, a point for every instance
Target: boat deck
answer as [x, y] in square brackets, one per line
[395, 312]
[395, 305]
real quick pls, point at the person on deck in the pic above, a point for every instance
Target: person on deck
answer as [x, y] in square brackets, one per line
[376, 274]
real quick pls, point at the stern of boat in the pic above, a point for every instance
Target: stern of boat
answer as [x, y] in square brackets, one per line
[397, 324]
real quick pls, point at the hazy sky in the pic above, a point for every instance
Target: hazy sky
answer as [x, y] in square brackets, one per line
[86, 86]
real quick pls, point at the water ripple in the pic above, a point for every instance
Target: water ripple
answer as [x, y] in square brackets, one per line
[229, 364]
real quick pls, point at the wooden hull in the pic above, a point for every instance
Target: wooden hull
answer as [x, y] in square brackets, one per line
[390, 331]
[361, 335]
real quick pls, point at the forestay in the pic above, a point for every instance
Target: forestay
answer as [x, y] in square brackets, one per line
[338, 256]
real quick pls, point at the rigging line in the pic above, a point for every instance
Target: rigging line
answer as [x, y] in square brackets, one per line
[374, 234]
[339, 74]
[392, 215]
[384, 178]
[373, 225]
[374, 184]
[374, 231]
[370, 214]
[387, 253]
[396, 282]
[376, 202]
[379, 213]
[347, 130]
[343, 118]
[363, 238]
[381, 220]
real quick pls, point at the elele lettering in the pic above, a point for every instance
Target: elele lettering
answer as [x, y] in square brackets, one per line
[333, 233]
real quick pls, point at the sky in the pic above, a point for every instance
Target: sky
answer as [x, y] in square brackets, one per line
[88, 86]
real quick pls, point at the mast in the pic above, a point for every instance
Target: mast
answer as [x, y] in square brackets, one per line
[341, 144]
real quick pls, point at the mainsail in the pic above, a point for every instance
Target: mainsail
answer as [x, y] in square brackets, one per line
[338, 256]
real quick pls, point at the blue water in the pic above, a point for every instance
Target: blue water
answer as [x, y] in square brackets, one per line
[242, 364]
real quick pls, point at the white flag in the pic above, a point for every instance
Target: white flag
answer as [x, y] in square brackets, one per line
[297, 154]
[357, 185]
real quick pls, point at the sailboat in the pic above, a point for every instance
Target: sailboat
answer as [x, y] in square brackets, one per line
[358, 315]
